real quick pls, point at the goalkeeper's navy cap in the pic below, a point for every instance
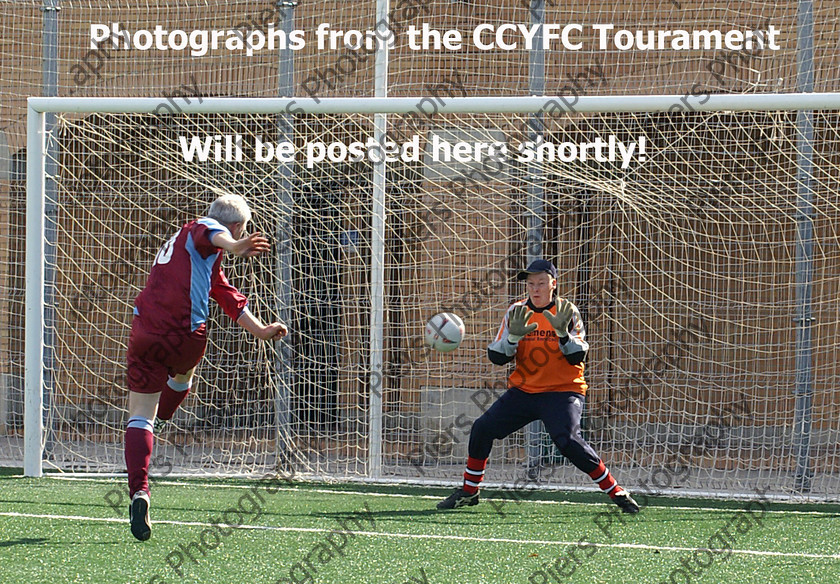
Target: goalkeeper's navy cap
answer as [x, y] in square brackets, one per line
[538, 267]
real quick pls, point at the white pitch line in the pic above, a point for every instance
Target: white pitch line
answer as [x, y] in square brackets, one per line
[437, 497]
[637, 546]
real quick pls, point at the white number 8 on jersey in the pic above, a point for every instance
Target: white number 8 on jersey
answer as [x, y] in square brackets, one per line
[165, 254]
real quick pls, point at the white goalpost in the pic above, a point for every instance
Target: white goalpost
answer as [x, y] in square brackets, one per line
[699, 240]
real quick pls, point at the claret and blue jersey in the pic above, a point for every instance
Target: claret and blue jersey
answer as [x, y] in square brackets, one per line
[186, 273]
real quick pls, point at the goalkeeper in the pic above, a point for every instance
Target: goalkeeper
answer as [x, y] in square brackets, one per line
[546, 337]
[169, 335]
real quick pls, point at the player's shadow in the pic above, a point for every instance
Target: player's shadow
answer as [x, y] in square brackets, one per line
[387, 513]
[74, 504]
[23, 541]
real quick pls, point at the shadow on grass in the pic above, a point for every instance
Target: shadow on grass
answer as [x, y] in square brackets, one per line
[385, 513]
[467, 516]
[23, 541]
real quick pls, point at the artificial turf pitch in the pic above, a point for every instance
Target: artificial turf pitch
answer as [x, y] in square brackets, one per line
[56, 530]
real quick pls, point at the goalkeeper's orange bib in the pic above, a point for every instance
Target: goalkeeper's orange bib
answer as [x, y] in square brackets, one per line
[540, 363]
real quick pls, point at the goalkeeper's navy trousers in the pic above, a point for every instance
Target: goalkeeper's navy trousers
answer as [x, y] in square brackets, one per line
[559, 411]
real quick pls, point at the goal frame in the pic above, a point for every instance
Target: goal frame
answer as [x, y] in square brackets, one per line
[36, 188]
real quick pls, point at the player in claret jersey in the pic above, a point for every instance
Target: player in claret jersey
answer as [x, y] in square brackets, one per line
[168, 333]
[545, 335]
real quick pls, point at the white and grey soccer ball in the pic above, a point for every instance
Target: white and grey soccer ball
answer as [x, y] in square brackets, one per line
[444, 332]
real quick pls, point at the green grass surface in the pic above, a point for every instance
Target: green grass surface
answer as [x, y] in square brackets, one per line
[57, 530]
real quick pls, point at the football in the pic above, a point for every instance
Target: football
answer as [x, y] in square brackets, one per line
[444, 332]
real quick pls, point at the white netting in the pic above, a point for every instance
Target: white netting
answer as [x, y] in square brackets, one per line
[684, 266]
[709, 221]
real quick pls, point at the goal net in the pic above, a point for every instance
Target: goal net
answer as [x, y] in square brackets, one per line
[704, 264]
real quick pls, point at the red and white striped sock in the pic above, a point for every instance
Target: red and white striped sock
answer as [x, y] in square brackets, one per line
[605, 480]
[474, 474]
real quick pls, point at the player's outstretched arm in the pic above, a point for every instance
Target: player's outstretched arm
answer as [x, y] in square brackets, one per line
[249, 246]
[271, 332]
[514, 327]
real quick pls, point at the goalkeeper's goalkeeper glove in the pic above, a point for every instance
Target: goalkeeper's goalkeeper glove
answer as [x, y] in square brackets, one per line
[517, 323]
[560, 321]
